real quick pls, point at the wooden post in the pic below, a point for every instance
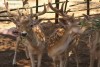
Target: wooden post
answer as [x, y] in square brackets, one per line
[88, 7]
[66, 5]
[37, 8]
[57, 6]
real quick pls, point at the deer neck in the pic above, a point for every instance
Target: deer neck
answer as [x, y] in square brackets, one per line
[32, 38]
[66, 35]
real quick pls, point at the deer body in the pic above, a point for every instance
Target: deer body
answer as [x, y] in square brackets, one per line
[59, 46]
[62, 45]
[72, 29]
[32, 43]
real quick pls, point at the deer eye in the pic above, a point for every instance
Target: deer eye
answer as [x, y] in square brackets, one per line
[18, 25]
[31, 25]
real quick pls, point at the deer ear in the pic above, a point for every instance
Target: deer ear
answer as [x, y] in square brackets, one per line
[39, 21]
[35, 22]
[64, 22]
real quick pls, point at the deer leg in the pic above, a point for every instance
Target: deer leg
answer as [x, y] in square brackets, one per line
[27, 52]
[92, 58]
[93, 49]
[76, 56]
[91, 61]
[32, 59]
[15, 54]
[54, 61]
[39, 60]
[99, 62]
[66, 60]
[99, 59]
[61, 61]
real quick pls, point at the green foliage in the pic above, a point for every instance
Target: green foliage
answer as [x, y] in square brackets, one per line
[82, 23]
[97, 24]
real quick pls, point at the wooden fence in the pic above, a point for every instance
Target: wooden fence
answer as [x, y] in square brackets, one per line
[76, 7]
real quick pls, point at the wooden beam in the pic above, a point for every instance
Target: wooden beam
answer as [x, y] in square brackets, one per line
[37, 8]
[66, 5]
[51, 18]
[27, 8]
[56, 15]
[88, 7]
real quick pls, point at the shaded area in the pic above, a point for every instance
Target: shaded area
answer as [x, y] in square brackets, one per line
[7, 46]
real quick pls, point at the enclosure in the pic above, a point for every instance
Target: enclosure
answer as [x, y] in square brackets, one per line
[85, 54]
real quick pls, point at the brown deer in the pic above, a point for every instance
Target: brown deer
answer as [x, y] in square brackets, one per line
[93, 42]
[24, 26]
[94, 49]
[94, 45]
[72, 29]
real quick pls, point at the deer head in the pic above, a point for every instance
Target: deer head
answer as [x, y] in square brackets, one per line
[23, 22]
[66, 19]
[70, 21]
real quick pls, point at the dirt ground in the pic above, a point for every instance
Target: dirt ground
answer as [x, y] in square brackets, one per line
[7, 46]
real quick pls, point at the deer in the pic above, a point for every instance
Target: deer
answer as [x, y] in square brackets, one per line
[24, 25]
[93, 41]
[72, 29]
[94, 48]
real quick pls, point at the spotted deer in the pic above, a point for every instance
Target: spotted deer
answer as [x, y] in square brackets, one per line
[72, 29]
[24, 26]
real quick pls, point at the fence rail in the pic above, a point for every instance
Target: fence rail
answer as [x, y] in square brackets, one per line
[56, 2]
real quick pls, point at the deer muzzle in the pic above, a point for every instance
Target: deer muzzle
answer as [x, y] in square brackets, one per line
[24, 33]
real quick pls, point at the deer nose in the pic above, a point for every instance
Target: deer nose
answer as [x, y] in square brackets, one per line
[24, 33]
